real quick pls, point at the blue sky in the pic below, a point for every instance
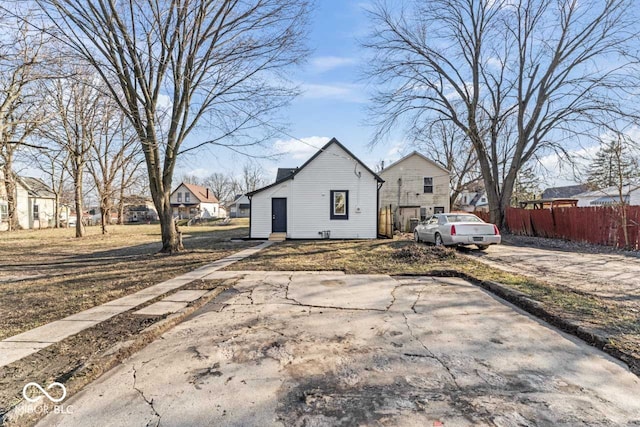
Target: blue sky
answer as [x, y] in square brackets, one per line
[333, 102]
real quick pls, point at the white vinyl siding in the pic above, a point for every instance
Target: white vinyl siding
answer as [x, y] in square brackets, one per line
[309, 200]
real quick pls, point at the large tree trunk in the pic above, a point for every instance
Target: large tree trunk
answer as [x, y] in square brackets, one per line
[77, 183]
[171, 238]
[10, 188]
[56, 211]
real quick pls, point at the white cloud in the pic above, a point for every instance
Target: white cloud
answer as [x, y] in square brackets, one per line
[342, 91]
[300, 149]
[322, 64]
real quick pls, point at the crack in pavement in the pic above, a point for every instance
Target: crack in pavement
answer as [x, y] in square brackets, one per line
[149, 402]
[296, 302]
[431, 354]
[413, 306]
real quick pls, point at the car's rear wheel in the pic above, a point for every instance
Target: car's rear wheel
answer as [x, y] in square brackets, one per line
[483, 247]
[438, 240]
[416, 237]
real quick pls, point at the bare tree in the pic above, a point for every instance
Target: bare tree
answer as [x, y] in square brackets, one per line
[444, 143]
[78, 107]
[20, 109]
[616, 164]
[516, 77]
[221, 185]
[252, 177]
[177, 63]
[113, 150]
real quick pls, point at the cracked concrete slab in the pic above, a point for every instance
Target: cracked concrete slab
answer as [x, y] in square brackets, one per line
[294, 349]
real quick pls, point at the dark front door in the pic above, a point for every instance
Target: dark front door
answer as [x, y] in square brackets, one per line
[279, 215]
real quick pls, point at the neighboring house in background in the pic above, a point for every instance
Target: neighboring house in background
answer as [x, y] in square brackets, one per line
[473, 199]
[35, 204]
[610, 196]
[139, 209]
[565, 192]
[240, 207]
[415, 187]
[195, 201]
[332, 195]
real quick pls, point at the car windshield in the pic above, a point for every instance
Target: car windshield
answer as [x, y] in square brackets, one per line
[463, 218]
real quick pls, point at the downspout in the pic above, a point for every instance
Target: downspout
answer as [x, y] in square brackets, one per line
[378, 207]
[250, 213]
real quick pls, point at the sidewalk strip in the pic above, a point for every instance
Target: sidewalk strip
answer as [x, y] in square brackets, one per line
[22, 345]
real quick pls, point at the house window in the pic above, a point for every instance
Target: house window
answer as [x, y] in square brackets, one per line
[4, 211]
[438, 209]
[423, 214]
[36, 212]
[187, 197]
[339, 204]
[179, 197]
[428, 184]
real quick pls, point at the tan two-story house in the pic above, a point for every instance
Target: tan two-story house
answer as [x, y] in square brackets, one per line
[415, 187]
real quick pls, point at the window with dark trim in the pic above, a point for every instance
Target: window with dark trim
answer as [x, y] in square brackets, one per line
[187, 197]
[4, 211]
[339, 204]
[428, 184]
[179, 197]
[36, 212]
[438, 209]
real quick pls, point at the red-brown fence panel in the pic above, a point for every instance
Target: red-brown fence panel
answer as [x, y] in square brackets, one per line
[603, 225]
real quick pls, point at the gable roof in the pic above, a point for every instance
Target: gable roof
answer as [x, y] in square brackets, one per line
[312, 158]
[203, 194]
[284, 173]
[36, 187]
[415, 153]
[564, 192]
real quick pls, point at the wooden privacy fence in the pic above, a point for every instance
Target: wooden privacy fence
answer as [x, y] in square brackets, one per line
[599, 225]
[385, 222]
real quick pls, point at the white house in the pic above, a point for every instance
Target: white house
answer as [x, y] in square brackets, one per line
[240, 207]
[610, 196]
[472, 200]
[415, 187]
[35, 204]
[195, 201]
[333, 195]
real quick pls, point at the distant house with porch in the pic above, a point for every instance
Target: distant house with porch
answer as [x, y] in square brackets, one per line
[240, 207]
[139, 209]
[35, 204]
[415, 187]
[195, 201]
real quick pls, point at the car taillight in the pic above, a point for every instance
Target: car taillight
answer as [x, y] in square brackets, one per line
[453, 230]
[495, 230]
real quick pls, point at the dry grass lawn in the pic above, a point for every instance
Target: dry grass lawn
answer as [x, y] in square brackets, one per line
[49, 274]
[403, 257]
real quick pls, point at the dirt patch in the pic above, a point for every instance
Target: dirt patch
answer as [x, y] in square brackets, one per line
[419, 253]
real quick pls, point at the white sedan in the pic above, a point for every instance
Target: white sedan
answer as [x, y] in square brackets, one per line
[457, 229]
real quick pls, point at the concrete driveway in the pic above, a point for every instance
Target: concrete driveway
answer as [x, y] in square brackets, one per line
[308, 349]
[606, 275]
